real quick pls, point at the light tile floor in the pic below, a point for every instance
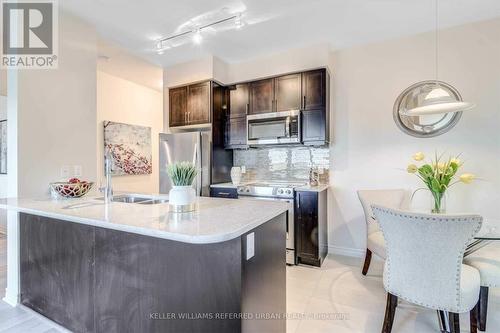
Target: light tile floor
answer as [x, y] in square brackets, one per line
[357, 302]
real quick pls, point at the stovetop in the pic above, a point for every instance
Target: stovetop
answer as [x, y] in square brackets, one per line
[271, 189]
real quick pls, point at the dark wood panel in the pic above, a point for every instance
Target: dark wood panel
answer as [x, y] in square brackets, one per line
[57, 270]
[222, 158]
[236, 132]
[264, 277]
[262, 96]
[199, 103]
[178, 106]
[140, 279]
[228, 193]
[314, 89]
[92, 279]
[307, 225]
[288, 92]
[314, 127]
[239, 100]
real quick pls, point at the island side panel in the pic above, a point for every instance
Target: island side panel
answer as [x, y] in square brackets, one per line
[141, 281]
[264, 278]
[57, 277]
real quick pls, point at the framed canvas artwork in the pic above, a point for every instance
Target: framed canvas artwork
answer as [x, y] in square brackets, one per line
[130, 147]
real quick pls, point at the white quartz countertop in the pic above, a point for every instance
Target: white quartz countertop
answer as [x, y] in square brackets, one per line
[215, 220]
[305, 188]
[308, 188]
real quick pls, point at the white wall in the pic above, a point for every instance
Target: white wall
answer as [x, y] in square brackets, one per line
[57, 111]
[294, 60]
[3, 178]
[118, 62]
[3, 82]
[127, 102]
[369, 151]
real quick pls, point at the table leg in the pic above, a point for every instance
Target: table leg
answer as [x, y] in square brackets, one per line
[444, 321]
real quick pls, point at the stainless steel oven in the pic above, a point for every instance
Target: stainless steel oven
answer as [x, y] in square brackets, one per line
[290, 226]
[278, 191]
[273, 128]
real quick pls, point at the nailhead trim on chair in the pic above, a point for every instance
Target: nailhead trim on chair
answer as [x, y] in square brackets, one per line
[459, 259]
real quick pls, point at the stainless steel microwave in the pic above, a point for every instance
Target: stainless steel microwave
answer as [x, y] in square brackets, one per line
[273, 128]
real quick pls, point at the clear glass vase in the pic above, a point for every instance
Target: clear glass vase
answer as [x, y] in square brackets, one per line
[438, 202]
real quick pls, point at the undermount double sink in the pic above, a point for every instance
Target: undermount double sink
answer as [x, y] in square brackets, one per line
[137, 199]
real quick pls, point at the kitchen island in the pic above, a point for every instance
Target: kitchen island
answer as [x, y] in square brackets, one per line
[129, 267]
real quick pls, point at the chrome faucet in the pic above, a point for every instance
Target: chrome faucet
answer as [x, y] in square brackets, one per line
[108, 188]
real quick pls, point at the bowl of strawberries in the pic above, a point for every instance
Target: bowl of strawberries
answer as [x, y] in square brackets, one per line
[73, 188]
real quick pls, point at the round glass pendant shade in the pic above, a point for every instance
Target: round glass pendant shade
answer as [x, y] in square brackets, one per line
[435, 98]
[428, 108]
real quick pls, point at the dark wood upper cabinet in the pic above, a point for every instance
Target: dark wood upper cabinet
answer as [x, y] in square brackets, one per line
[178, 106]
[236, 132]
[308, 91]
[262, 96]
[239, 100]
[190, 104]
[199, 103]
[287, 92]
[314, 127]
[314, 89]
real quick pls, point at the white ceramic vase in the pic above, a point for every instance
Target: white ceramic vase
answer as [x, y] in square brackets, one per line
[182, 198]
[236, 175]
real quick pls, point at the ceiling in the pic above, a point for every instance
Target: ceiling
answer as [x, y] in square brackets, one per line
[271, 25]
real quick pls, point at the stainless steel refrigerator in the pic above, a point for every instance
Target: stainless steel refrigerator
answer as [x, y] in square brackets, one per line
[212, 161]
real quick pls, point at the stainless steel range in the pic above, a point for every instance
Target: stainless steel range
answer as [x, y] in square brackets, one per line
[280, 191]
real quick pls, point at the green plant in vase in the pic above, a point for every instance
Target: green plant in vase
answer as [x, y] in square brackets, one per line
[182, 173]
[182, 196]
[438, 176]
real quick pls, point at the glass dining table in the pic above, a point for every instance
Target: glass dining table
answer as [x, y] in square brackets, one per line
[487, 235]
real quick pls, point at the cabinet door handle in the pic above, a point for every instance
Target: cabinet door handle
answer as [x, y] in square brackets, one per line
[247, 107]
[185, 117]
[189, 117]
[298, 200]
[304, 102]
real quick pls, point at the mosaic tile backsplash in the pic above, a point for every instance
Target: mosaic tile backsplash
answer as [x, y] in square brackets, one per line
[283, 163]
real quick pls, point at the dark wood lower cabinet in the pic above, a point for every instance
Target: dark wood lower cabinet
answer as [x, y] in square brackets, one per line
[311, 227]
[224, 192]
[139, 280]
[57, 272]
[91, 279]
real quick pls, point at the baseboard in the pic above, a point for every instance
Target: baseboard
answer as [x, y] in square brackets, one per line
[346, 251]
[10, 298]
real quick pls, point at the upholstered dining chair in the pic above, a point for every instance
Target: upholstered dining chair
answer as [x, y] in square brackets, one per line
[394, 198]
[424, 262]
[487, 262]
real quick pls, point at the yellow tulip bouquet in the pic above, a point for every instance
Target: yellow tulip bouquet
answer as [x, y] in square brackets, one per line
[438, 175]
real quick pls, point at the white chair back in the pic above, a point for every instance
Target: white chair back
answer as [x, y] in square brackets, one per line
[425, 254]
[393, 198]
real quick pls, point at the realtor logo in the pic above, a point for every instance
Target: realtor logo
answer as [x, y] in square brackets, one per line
[29, 34]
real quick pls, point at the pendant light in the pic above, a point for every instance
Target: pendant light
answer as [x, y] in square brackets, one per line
[437, 100]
